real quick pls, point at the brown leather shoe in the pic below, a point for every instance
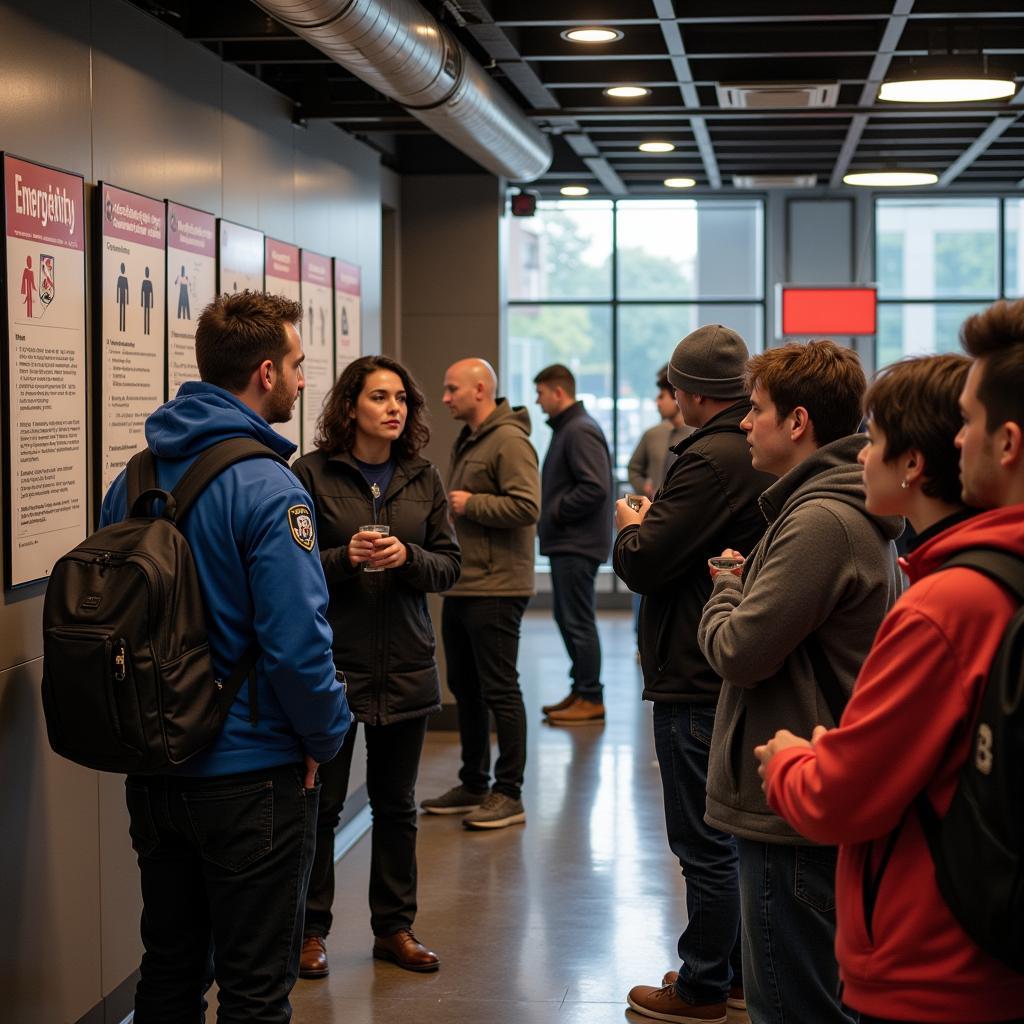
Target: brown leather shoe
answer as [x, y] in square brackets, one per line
[579, 712]
[736, 1000]
[404, 949]
[664, 1004]
[546, 709]
[313, 960]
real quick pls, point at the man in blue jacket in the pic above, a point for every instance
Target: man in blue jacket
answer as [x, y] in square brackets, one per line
[575, 532]
[225, 843]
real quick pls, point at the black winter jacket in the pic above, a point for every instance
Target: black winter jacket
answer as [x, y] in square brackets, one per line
[707, 503]
[383, 636]
[576, 488]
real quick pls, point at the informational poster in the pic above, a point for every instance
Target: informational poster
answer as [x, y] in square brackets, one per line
[191, 286]
[132, 318]
[347, 323]
[43, 367]
[317, 340]
[240, 259]
[282, 278]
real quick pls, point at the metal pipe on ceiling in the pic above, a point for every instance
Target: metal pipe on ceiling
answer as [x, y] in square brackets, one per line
[401, 50]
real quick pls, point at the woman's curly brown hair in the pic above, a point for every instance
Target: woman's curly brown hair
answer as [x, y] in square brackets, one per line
[336, 428]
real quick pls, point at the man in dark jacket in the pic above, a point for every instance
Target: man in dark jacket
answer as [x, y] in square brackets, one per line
[575, 533]
[225, 842]
[709, 496]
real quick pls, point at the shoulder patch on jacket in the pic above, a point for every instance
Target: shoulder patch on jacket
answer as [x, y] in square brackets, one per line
[300, 522]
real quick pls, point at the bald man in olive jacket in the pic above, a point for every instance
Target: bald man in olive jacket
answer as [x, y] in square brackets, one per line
[494, 495]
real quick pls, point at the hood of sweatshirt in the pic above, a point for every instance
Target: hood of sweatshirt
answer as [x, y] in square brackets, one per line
[831, 472]
[504, 415]
[1001, 528]
[202, 414]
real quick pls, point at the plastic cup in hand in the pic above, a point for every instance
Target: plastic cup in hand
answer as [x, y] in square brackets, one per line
[634, 501]
[374, 528]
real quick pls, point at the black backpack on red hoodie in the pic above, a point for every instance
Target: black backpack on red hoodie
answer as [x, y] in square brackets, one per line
[978, 847]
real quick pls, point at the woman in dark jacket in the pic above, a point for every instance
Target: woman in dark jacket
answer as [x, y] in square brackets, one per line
[366, 470]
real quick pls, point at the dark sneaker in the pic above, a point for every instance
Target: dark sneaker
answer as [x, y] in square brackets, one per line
[580, 712]
[664, 1004]
[457, 800]
[546, 709]
[497, 811]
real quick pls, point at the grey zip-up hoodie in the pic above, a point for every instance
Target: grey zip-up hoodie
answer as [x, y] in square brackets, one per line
[824, 566]
[497, 464]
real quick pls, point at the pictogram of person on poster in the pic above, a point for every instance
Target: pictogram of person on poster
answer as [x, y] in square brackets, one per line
[28, 285]
[344, 321]
[147, 302]
[323, 328]
[122, 299]
[184, 309]
[47, 279]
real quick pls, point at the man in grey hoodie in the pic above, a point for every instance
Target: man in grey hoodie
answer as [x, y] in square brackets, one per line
[788, 632]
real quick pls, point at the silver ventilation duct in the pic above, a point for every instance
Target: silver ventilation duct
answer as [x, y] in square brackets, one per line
[399, 48]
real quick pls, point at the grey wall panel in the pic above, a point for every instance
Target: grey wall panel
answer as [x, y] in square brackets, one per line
[49, 863]
[819, 235]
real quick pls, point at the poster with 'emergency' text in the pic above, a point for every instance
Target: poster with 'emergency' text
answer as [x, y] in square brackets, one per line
[132, 318]
[43, 367]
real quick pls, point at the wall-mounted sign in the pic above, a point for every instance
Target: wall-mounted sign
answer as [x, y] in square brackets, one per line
[317, 340]
[43, 367]
[833, 309]
[240, 258]
[191, 286]
[131, 348]
[282, 278]
[347, 313]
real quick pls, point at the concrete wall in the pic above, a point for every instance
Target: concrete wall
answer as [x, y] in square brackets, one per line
[97, 87]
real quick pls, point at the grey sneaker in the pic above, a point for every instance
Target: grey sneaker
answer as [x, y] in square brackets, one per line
[457, 800]
[497, 811]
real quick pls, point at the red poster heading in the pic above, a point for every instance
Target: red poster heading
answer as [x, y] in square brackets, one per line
[282, 260]
[191, 230]
[316, 269]
[347, 277]
[43, 205]
[836, 310]
[132, 218]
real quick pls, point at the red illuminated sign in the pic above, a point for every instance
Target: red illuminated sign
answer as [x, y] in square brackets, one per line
[839, 309]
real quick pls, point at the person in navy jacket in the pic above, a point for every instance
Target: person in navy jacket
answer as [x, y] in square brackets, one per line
[225, 842]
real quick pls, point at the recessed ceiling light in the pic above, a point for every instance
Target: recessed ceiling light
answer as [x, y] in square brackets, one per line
[627, 92]
[948, 79]
[656, 147]
[592, 35]
[891, 179]
[575, 190]
[679, 182]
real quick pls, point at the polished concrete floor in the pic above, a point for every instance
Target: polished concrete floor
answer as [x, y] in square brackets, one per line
[553, 921]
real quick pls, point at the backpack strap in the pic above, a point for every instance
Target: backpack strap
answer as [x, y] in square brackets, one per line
[210, 464]
[1001, 566]
[140, 476]
[245, 668]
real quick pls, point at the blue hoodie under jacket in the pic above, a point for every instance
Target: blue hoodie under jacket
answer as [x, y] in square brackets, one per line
[265, 585]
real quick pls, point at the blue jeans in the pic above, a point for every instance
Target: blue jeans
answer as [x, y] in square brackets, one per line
[224, 864]
[787, 895]
[709, 947]
[575, 606]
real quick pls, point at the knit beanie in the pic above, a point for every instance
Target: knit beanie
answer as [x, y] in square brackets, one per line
[711, 361]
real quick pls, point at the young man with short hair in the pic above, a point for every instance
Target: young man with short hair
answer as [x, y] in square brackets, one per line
[575, 531]
[813, 591]
[225, 842]
[654, 451]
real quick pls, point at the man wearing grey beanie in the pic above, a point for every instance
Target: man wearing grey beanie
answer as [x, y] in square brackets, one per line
[709, 497]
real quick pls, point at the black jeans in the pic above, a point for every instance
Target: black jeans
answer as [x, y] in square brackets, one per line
[392, 763]
[224, 864]
[709, 948]
[575, 605]
[481, 647]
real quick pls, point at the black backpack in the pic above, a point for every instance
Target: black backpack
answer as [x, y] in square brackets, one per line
[128, 684]
[978, 847]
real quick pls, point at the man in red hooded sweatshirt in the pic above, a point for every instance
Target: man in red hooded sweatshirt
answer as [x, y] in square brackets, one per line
[908, 727]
